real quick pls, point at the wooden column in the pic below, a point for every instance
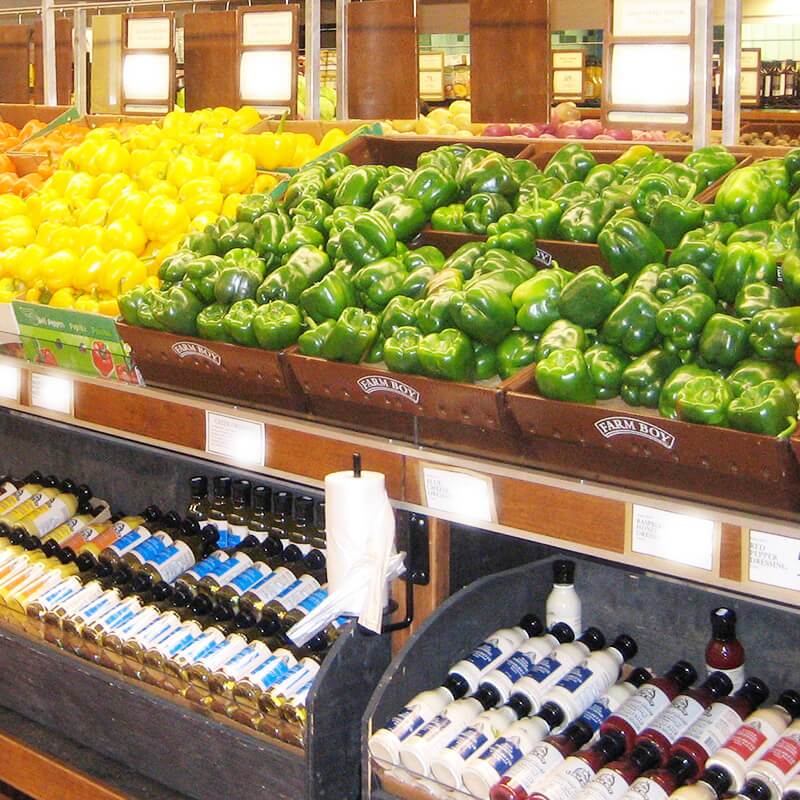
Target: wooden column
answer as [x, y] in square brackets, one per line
[14, 58]
[510, 60]
[209, 59]
[64, 62]
[382, 66]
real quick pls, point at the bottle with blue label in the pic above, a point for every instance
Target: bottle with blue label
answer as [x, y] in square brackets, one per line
[248, 580]
[239, 516]
[529, 691]
[304, 608]
[273, 699]
[220, 508]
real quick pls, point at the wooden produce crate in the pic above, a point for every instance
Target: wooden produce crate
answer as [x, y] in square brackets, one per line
[219, 370]
[20, 113]
[145, 727]
[615, 599]
[368, 397]
[616, 443]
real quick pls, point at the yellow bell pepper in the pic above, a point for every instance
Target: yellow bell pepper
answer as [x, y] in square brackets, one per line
[129, 204]
[27, 268]
[108, 306]
[64, 237]
[63, 298]
[153, 173]
[121, 271]
[95, 212]
[58, 269]
[201, 194]
[56, 211]
[90, 236]
[231, 204]
[33, 207]
[164, 189]
[88, 274]
[88, 303]
[140, 158]
[109, 157]
[305, 145]
[203, 220]
[113, 187]
[80, 189]
[124, 234]
[332, 138]
[164, 218]
[152, 282]
[9, 259]
[185, 168]
[210, 143]
[275, 150]
[58, 181]
[34, 294]
[235, 172]
[245, 118]
[17, 230]
[12, 206]
[264, 182]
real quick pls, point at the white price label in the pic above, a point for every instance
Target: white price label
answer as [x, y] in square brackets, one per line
[431, 61]
[240, 440]
[566, 81]
[673, 537]
[750, 58]
[749, 82]
[149, 34]
[567, 60]
[470, 497]
[654, 19]
[267, 28]
[51, 393]
[774, 560]
[9, 382]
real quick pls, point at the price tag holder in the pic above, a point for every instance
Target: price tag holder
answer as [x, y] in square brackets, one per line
[774, 560]
[52, 393]
[240, 440]
[9, 382]
[463, 494]
[673, 537]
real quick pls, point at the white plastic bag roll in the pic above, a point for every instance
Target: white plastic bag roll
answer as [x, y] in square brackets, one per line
[360, 537]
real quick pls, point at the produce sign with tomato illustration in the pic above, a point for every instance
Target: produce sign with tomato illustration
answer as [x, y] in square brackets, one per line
[74, 340]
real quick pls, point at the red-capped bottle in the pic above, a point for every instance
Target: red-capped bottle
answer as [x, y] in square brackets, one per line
[649, 701]
[724, 652]
[718, 722]
[681, 714]
[614, 780]
[659, 784]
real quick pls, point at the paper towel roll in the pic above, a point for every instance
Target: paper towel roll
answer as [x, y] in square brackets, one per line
[360, 532]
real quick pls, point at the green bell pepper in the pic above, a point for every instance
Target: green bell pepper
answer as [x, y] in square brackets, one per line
[747, 195]
[311, 211]
[643, 378]
[538, 187]
[682, 279]
[369, 238]
[442, 158]
[582, 222]
[757, 297]
[401, 350]
[238, 322]
[792, 380]
[312, 342]
[792, 163]
[769, 409]
[406, 215]
[628, 246]
[173, 268]
[176, 310]
[590, 297]
[632, 325]
[542, 216]
[235, 283]
[483, 312]
[791, 276]
[299, 236]
[523, 169]
[309, 182]
[649, 193]
[510, 222]
[304, 268]
[485, 361]
[712, 162]
[431, 188]
[536, 300]
[394, 183]
[674, 217]
[400, 312]
[270, 229]
[704, 400]
[358, 187]
[521, 242]
[758, 233]
[201, 276]
[449, 218]
[482, 209]
[724, 341]
[601, 176]
[753, 371]
[379, 282]
[700, 252]
[200, 243]
[690, 182]
[561, 335]
[447, 355]
[465, 258]
[516, 351]
[775, 168]
[565, 375]
[606, 364]
[277, 325]
[572, 193]
[646, 280]
[135, 307]
[329, 297]
[240, 234]
[245, 257]
[211, 323]
[492, 175]
[774, 333]
[573, 162]
[351, 337]
[674, 383]
[416, 282]
[744, 263]
[682, 319]
[425, 256]
[253, 206]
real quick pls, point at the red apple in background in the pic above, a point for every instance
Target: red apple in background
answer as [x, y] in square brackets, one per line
[569, 130]
[620, 134]
[590, 128]
[531, 131]
[497, 129]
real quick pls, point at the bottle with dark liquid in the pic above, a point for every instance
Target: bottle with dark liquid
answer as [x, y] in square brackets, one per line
[239, 517]
[724, 652]
[199, 503]
[221, 507]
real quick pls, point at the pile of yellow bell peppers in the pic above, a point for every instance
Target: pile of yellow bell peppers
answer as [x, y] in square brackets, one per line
[124, 198]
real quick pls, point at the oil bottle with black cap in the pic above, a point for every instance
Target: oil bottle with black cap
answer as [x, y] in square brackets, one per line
[30, 530]
[221, 507]
[47, 491]
[199, 504]
[239, 516]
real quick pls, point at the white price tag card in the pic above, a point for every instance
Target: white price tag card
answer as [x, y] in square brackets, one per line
[463, 494]
[240, 440]
[655, 18]
[566, 81]
[673, 537]
[149, 33]
[567, 60]
[774, 560]
[267, 28]
[51, 393]
[750, 58]
[9, 382]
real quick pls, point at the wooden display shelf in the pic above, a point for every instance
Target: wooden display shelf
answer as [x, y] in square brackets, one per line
[583, 515]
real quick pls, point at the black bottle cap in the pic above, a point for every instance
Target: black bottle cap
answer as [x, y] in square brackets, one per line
[521, 706]
[532, 625]
[221, 612]
[626, 646]
[314, 560]
[563, 572]
[681, 766]
[718, 684]
[181, 596]
[578, 733]
[104, 568]
[683, 673]
[190, 527]
[222, 487]
[262, 499]
[83, 493]
[50, 548]
[17, 535]
[33, 477]
[198, 486]
[562, 632]
[240, 493]
[31, 542]
[142, 582]
[269, 626]
[202, 605]
[638, 677]
[304, 510]
[292, 554]
[719, 779]
[152, 513]
[245, 619]
[754, 690]
[318, 643]
[723, 624]
[593, 639]
[790, 702]
[170, 520]
[551, 713]
[283, 503]
[85, 506]
[162, 590]
[644, 757]
[321, 514]
[755, 789]
[67, 485]
[209, 535]
[122, 575]
[610, 746]
[487, 695]
[456, 685]
[49, 482]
